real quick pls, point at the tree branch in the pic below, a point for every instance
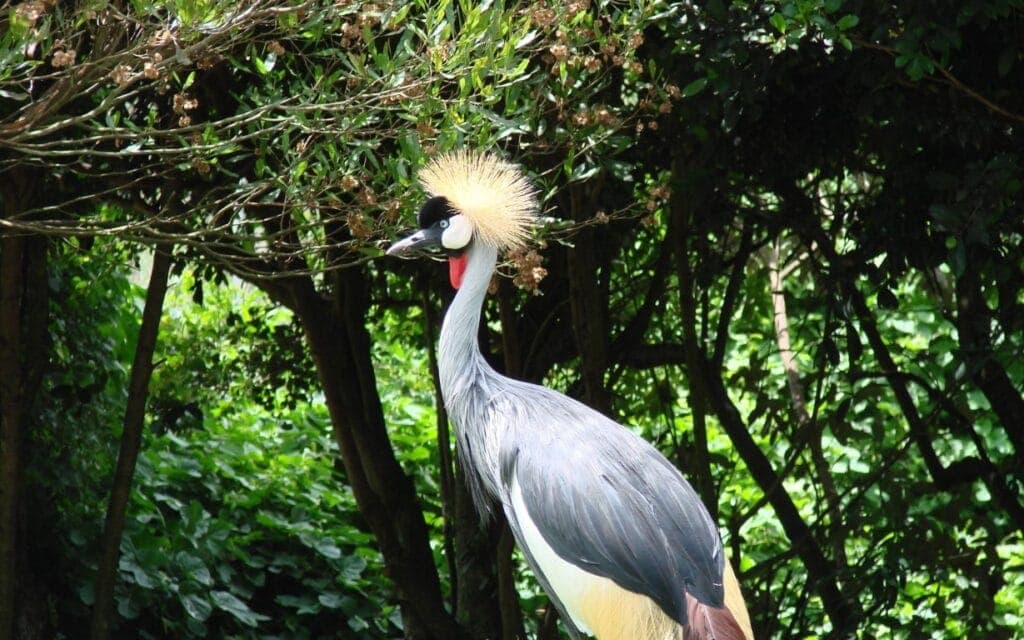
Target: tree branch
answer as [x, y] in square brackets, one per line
[131, 443]
[950, 79]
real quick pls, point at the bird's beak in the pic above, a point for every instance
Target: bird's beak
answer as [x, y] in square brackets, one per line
[426, 238]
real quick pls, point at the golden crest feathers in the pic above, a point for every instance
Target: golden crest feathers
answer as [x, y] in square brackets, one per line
[493, 194]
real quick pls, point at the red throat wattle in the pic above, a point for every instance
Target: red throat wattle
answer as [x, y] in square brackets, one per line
[456, 267]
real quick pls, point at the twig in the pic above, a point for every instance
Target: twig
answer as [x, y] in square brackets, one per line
[952, 80]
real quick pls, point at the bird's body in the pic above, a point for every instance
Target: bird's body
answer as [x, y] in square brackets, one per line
[614, 534]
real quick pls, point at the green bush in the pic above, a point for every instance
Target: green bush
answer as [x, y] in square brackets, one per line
[246, 529]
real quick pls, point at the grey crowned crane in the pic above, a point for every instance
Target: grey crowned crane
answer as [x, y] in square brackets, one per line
[615, 535]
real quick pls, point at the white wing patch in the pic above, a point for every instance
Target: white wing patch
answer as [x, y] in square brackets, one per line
[597, 605]
[568, 581]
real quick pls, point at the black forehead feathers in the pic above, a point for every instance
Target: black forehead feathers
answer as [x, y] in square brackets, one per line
[437, 208]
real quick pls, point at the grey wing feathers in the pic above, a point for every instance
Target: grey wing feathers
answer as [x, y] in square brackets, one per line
[608, 502]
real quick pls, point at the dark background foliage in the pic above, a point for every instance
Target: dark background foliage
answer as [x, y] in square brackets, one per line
[781, 240]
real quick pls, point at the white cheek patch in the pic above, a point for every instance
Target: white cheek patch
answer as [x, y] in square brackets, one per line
[458, 234]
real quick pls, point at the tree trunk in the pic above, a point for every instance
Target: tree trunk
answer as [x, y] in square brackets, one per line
[588, 309]
[508, 597]
[445, 459]
[24, 312]
[11, 413]
[511, 611]
[699, 460]
[776, 274]
[476, 560]
[131, 443]
[974, 324]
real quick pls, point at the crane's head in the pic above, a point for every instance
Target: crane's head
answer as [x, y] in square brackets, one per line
[474, 198]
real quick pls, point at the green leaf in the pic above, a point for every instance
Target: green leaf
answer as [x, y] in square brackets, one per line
[228, 602]
[197, 606]
[695, 87]
[357, 623]
[848, 21]
[331, 600]
[127, 608]
[779, 22]
[352, 568]
[327, 548]
[194, 567]
[87, 593]
[302, 604]
[140, 575]
[526, 40]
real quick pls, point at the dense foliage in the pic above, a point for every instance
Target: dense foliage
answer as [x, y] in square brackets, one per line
[782, 240]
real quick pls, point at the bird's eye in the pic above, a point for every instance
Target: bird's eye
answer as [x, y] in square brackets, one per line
[443, 224]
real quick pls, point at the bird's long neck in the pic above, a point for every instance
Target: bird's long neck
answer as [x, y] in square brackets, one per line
[460, 364]
[468, 383]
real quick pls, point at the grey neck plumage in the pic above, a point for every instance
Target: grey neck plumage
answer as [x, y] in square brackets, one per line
[468, 384]
[459, 361]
